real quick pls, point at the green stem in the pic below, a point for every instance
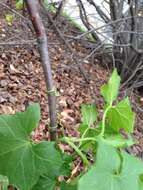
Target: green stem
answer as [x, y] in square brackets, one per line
[104, 119]
[83, 139]
[85, 132]
[69, 141]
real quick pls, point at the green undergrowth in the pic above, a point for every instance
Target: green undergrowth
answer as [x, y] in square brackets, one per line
[29, 165]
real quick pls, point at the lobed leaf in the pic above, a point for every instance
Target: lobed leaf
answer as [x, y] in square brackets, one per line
[121, 116]
[113, 170]
[110, 90]
[21, 160]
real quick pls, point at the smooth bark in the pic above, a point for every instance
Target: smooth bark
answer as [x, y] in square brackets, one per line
[33, 9]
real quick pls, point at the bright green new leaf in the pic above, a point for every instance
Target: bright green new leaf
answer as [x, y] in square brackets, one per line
[110, 90]
[19, 5]
[121, 116]
[21, 160]
[112, 171]
[4, 182]
[89, 114]
[9, 19]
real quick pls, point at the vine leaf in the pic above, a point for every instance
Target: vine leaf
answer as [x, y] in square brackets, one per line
[89, 114]
[44, 183]
[121, 116]
[110, 90]
[49, 181]
[119, 170]
[21, 160]
[117, 140]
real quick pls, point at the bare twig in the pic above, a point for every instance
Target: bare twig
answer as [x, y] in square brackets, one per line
[59, 9]
[16, 43]
[68, 46]
[100, 12]
[85, 21]
[24, 42]
[106, 25]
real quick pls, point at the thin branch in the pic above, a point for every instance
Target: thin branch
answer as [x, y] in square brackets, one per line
[59, 9]
[16, 43]
[106, 25]
[32, 7]
[68, 46]
[132, 20]
[99, 11]
[85, 21]
[23, 42]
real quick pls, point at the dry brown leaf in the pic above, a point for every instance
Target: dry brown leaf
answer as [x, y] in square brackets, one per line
[65, 115]
[13, 69]
[7, 110]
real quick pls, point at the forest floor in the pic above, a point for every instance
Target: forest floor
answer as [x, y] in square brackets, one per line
[22, 80]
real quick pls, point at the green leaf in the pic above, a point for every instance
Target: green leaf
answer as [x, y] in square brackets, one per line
[114, 138]
[88, 132]
[4, 182]
[117, 140]
[9, 19]
[141, 182]
[21, 160]
[19, 5]
[121, 117]
[82, 128]
[45, 183]
[89, 114]
[48, 158]
[113, 170]
[110, 90]
[65, 186]
[48, 181]
[65, 170]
